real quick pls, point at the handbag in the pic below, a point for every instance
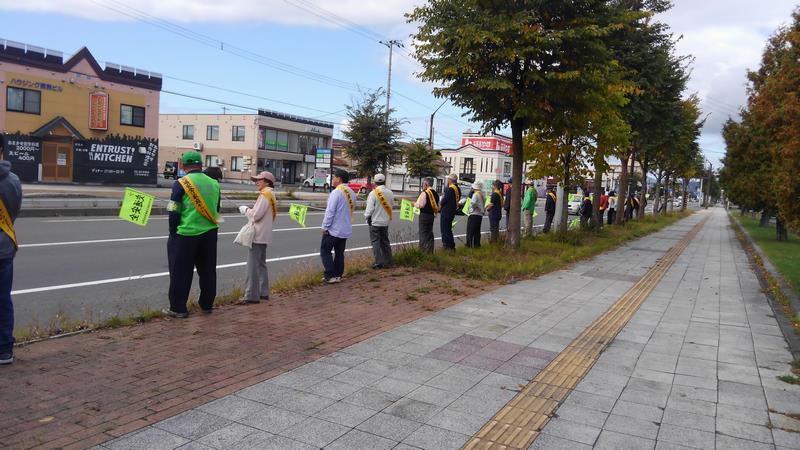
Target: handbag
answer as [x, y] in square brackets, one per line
[246, 235]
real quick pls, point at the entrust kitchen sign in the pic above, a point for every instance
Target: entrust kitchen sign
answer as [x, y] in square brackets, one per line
[488, 143]
[98, 111]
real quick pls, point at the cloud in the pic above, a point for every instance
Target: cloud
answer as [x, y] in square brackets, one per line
[387, 13]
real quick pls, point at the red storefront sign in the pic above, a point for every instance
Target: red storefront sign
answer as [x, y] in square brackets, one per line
[98, 111]
[488, 143]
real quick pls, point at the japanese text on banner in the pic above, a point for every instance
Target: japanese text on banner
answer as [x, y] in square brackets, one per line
[298, 213]
[407, 210]
[136, 207]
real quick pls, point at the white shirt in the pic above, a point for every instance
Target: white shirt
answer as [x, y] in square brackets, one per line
[380, 218]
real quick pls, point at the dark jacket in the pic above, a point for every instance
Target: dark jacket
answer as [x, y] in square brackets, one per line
[448, 203]
[586, 208]
[11, 196]
[550, 202]
[496, 213]
[507, 202]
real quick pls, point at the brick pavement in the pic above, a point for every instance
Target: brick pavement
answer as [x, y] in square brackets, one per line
[83, 390]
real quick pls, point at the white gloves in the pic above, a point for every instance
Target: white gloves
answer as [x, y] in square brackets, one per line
[243, 209]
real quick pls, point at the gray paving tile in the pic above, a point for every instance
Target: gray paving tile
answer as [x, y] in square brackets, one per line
[632, 426]
[357, 377]
[378, 367]
[685, 436]
[470, 373]
[572, 431]
[783, 400]
[272, 419]
[733, 443]
[295, 380]
[268, 393]
[304, 403]
[395, 387]
[388, 426]
[343, 359]
[359, 440]
[316, 432]
[786, 439]
[231, 436]
[429, 437]
[335, 390]
[411, 409]
[610, 440]
[457, 421]
[193, 424]
[273, 443]
[701, 382]
[371, 398]
[744, 430]
[693, 406]
[452, 383]
[548, 442]
[587, 400]
[320, 369]
[346, 414]
[585, 416]
[147, 439]
[739, 394]
[694, 393]
[689, 420]
[474, 406]
[783, 422]
[190, 446]
[433, 396]
[232, 407]
[645, 397]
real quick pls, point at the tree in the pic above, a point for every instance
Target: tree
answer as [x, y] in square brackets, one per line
[373, 134]
[421, 160]
[521, 64]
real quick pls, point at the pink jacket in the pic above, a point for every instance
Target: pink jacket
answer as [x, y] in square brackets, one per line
[261, 216]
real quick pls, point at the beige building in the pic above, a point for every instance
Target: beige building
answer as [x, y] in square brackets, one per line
[244, 144]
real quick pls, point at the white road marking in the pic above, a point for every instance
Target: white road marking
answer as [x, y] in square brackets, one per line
[164, 274]
[117, 219]
[148, 238]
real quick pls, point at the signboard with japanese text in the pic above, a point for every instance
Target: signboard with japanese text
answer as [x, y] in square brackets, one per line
[24, 153]
[498, 143]
[117, 160]
[98, 111]
[136, 207]
[324, 158]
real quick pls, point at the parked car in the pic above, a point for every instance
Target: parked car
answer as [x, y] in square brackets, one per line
[359, 185]
[574, 205]
[309, 182]
[171, 170]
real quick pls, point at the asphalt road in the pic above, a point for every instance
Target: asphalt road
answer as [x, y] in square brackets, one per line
[94, 267]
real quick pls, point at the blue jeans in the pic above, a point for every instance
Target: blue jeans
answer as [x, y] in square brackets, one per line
[6, 307]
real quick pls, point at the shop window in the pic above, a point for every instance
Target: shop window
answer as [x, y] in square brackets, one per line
[506, 167]
[236, 163]
[23, 100]
[188, 132]
[272, 140]
[131, 115]
[212, 132]
[283, 141]
[212, 161]
[237, 133]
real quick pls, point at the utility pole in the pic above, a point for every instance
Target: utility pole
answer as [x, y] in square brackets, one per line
[430, 138]
[391, 44]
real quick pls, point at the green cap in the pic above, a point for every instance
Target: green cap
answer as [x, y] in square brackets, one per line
[190, 158]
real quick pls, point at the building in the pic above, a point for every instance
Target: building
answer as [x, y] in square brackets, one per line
[612, 175]
[481, 158]
[243, 145]
[75, 121]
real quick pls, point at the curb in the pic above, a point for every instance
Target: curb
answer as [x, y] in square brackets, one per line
[792, 338]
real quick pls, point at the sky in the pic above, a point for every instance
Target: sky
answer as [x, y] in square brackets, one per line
[312, 58]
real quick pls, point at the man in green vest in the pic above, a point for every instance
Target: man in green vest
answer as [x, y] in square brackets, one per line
[528, 208]
[192, 243]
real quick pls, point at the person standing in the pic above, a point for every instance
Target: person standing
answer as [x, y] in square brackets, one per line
[379, 215]
[10, 204]
[476, 211]
[495, 210]
[192, 243]
[507, 203]
[549, 209]
[603, 207]
[337, 227]
[612, 207]
[586, 210]
[262, 215]
[449, 205]
[528, 208]
[428, 204]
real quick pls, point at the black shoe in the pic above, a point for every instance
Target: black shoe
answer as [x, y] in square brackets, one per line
[175, 315]
[252, 301]
[6, 358]
[207, 311]
[377, 266]
[265, 297]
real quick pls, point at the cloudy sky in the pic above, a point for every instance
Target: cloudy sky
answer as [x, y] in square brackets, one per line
[312, 57]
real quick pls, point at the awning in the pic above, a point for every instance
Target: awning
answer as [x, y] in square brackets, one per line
[55, 123]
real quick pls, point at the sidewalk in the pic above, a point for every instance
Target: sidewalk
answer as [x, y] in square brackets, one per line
[694, 367]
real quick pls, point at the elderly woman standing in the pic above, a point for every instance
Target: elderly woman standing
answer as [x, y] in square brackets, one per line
[262, 215]
[477, 208]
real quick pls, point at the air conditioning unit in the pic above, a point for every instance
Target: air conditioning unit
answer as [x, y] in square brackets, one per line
[198, 146]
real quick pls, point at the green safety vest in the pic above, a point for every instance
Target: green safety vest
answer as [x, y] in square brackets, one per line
[192, 222]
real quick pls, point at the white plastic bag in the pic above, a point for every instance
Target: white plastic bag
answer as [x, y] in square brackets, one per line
[246, 235]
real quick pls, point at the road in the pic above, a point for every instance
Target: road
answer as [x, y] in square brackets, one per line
[95, 267]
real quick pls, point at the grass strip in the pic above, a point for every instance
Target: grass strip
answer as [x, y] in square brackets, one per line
[784, 255]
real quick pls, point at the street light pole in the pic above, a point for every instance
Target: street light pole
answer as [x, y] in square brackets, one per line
[708, 185]
[430, 138]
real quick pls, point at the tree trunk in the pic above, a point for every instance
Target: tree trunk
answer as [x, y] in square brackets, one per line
[685, 194]
[764, 218]
[622, 195]
[516, 184]
[643, 193]
[657, 189]
[564, 219]
[780, 229]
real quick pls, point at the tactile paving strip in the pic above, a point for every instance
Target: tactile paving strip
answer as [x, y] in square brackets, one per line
[518, 424]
